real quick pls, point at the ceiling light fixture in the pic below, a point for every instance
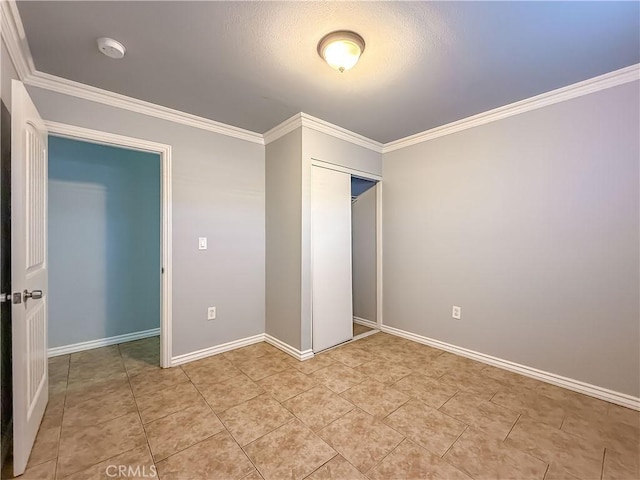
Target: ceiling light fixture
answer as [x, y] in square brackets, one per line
[341, 49]
[111, 48]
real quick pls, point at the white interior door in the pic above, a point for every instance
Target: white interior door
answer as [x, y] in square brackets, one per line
[28, 272]
[331, 258]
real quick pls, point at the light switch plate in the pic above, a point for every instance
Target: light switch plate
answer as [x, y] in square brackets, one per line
[202, 243]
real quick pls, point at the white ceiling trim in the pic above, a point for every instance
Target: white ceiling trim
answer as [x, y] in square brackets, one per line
[592, 85]
[305, 120]
[282, 129]
[87, 92]
[15, 39]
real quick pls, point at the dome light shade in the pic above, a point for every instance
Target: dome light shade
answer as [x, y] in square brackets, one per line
[341, 50]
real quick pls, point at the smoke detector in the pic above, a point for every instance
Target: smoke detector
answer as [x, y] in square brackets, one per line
[111, 48]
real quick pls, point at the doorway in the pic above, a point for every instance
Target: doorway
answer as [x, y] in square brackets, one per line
[104, 221]
[364, 255]
[333, 263]
[162, 233]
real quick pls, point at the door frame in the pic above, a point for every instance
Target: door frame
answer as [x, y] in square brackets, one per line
[378, 179]
[115, 140]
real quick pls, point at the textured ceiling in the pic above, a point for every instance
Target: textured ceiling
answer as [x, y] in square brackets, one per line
[254, 64]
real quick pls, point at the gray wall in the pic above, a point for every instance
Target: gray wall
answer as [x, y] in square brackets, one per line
[104, 241]
[283, 217]
[218, 192]
[531, 225]
[363, 240]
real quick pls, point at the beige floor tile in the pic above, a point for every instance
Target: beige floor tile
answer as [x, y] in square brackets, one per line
[338, 377]
[58, 369]
[182, 429]
[100, 355]
[580, 458]
[149, 344]
[135, 463]
[480, 414]
[318, 407]
[261, 367]
[557, 472]
[150, 382]
[360, 329]
[167, 401]
[578, 404]
[254, 475]
[54, 411]
[540, 408]
[473, 382]
[92, 373]
[624, 415]
[337, 469]
[349, 355]
[483, 457]
[232, 392]
[375, 398]
[255, 418]
[602, 431]
[361, 439]
[428, 390]
[309, 366]
[621, 466]
[79, 393]
[411, 462]
[97, 410]
[45, 447]
[383, 372]
[426, 426]
[210, 370]
[291, 451]
[252, 351]
[216, 458]
[287, 384]
[44, 471]
[137, 363]
[448, 362]
[510, 379]
[81, 447]
[416, 362]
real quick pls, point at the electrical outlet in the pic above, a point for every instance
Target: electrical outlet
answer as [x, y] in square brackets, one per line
[456, 312]
[211, 313]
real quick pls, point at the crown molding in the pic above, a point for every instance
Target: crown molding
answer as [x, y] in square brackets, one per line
[282, 129]
[94, 94]
[15, 39]
[592, 85]
[305, 120]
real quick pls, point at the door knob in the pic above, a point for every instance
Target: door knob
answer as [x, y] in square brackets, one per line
[36, 294]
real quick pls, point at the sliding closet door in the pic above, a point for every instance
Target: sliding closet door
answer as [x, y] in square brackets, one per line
[331, 257]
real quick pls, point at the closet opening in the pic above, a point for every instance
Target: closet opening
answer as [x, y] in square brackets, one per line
[345, 254]
[363, 256]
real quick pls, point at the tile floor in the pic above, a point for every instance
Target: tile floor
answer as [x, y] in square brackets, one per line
[377, 408]
[360, 329]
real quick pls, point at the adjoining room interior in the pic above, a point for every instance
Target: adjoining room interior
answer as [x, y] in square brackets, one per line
[104, 247]
[307, 240]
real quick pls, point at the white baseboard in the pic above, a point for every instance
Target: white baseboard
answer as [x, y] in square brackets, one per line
[618, 398]
[216, 349]
[365, 322]
[102, 342]
[286, 348]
